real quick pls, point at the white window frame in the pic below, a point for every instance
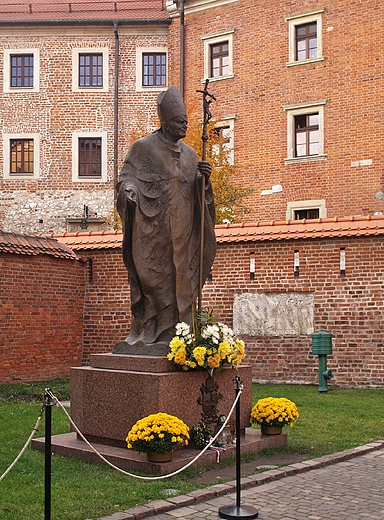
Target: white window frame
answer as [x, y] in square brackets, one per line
[139, 68]
[298, 110]
[210, 40]
[293, 22]
[7, 157]
[104, 51]
[75, 156]
[229, 122]
[306, 204]
[7, 70]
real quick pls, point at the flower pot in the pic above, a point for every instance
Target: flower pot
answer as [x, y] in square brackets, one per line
[152, 456]
[271, 430]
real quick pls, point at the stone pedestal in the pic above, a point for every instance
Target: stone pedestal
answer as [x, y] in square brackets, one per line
[115, 391]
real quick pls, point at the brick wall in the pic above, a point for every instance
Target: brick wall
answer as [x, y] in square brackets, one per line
[348, 79]
[42, 300]
[350, 307]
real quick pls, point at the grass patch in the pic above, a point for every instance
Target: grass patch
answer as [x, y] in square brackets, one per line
[331, 422]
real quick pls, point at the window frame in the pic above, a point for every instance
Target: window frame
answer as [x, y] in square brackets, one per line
[229, 123]
[305, 205]
[7, 138]
[76, 135]
[104, 51]
[298, 110]
[209, 41]
[8, 54]
[296, 20]
[140, 51]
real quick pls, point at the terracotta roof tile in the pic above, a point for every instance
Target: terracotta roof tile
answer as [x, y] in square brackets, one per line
[249, 232]
[84, 240]
[303, 229]
[29, 11]
[33, 245]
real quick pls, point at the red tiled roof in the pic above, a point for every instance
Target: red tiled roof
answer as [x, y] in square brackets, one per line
[32, 245]
[296, 229]
[83, 240]
[27, 11]
[259, 231]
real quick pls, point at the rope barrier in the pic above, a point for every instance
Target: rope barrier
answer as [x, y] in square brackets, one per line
[160, 477]
[35, 429]
[56, 402]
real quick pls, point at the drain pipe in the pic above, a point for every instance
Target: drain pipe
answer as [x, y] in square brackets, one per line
[116, 117]
[182, 45]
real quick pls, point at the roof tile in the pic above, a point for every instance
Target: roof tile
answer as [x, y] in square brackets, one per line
[29, 11]
[247, 232]
[34, 245]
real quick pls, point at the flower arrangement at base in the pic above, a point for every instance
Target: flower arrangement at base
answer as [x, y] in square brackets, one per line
[201, 433]
[275, 412]
[159, 433]
[209, 345]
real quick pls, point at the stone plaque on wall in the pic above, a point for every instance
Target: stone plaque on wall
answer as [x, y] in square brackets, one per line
[273, 314]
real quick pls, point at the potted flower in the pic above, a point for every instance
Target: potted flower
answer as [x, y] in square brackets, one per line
[201, 434]
[158, 435]
[272, 413]
[209, 345]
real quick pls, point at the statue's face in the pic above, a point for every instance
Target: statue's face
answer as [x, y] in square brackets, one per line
[176, 128]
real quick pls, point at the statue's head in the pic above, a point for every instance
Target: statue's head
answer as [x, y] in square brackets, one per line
[170, 105]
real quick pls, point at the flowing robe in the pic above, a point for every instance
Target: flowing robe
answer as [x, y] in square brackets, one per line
[161, 244]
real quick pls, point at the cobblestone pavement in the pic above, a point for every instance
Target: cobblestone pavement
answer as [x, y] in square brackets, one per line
[342, 486]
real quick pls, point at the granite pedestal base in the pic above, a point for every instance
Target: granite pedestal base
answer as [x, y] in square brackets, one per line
[115, 391]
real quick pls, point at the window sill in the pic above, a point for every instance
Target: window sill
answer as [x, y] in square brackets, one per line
[305, 62]
[219, 78]
[307, 158]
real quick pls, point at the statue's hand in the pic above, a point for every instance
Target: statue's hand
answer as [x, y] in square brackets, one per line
[131, 194]
[205, 169]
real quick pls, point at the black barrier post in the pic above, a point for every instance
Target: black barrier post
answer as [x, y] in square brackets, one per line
[48, 451]
[238, 511]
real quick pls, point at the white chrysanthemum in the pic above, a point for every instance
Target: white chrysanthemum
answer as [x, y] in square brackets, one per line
[182, 329]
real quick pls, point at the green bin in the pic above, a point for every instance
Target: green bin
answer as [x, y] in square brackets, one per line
[322, 343]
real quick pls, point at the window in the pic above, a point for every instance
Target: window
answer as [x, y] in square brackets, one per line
[89, 156]
[306, 214]
[306, 135]
[90, 70]
[21, 156]
[306, 41]
[219, 59]
[154, 70]
[306, 209]
[21, 70]
[218, 56]
[305, 38]
[305, 132]
[151, 68]
[223, 144]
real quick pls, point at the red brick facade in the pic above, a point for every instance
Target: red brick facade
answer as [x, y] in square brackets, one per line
[42, 301]
[345, 81]
[350, 307]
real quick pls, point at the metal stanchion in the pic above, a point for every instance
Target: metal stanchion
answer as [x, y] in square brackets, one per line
[48, 451]
[238, 511]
